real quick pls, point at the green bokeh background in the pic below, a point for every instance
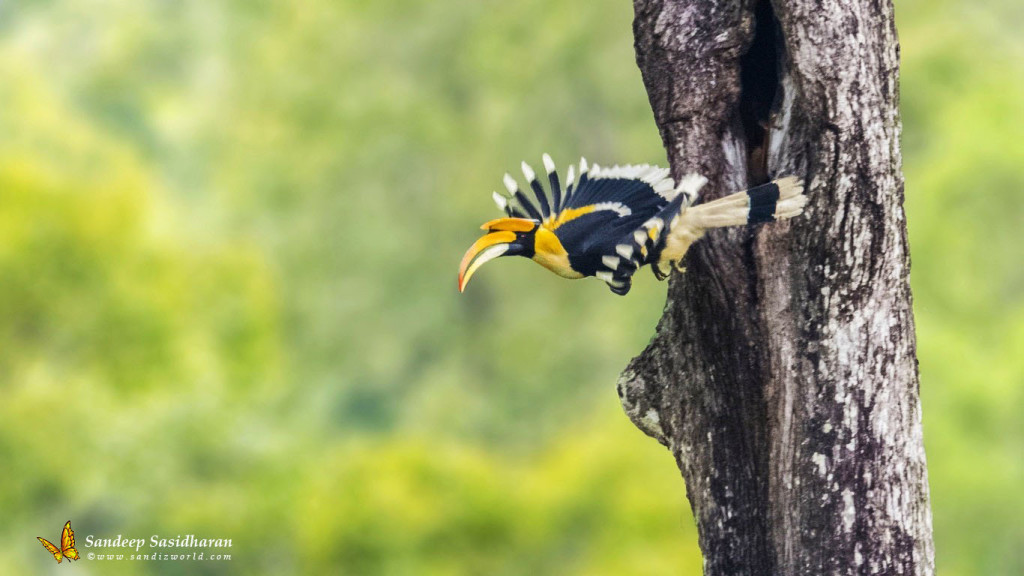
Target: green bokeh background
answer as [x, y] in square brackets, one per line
[229, 234]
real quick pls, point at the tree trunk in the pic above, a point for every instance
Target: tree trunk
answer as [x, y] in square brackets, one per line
[783, 374]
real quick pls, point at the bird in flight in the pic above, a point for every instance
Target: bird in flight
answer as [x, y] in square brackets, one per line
[610, 222]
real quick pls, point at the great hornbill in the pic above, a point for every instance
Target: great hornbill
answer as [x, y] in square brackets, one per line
[614, 220]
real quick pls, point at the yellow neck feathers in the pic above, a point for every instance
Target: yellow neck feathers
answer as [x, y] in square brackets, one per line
[549, 253]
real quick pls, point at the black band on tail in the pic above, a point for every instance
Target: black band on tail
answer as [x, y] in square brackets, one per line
[763, 199]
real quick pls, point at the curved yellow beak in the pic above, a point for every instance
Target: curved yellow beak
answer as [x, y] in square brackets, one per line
[482, 251]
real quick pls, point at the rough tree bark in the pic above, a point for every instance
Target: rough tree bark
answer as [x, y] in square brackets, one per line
[783, 374]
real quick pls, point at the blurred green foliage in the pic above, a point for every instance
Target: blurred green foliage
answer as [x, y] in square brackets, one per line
[228, 241]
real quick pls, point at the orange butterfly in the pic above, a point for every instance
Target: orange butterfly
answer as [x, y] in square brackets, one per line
[67, 545]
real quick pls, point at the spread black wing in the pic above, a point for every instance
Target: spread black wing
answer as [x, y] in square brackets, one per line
[611, 221]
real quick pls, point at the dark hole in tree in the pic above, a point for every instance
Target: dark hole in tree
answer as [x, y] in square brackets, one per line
[759, 84]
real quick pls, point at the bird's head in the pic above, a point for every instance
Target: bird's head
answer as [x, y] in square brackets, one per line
[505, 237]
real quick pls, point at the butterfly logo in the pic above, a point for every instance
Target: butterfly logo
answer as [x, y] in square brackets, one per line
[67, 545]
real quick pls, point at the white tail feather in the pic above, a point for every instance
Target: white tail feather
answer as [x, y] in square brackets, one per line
[734, 209]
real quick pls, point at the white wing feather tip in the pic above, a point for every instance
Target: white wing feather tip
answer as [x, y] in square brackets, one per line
[528, 172]
[500, 201]
[611, 262]
[549, 165]
[691, 184]
[510, 183]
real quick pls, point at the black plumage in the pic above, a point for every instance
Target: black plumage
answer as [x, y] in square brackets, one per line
[600, 215]
[609, 222]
